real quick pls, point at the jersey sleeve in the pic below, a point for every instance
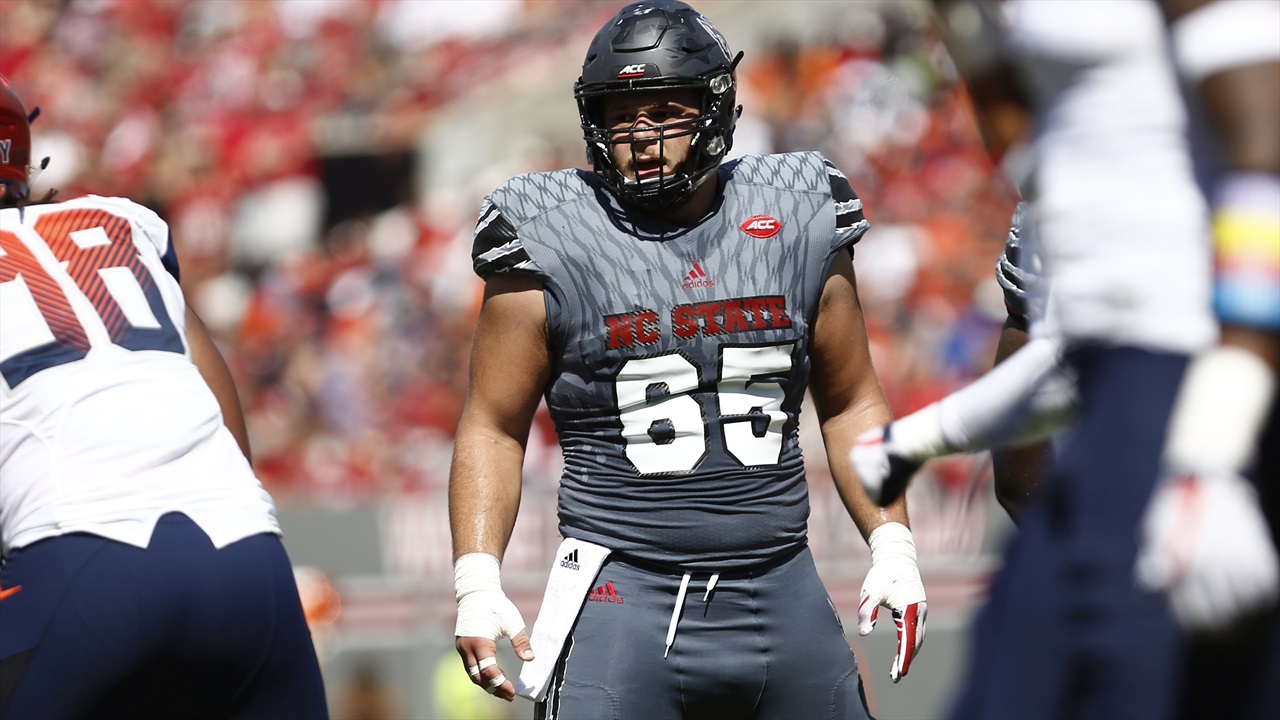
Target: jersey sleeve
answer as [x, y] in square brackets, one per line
[850, 222]
[497, 248]
[1010, 273]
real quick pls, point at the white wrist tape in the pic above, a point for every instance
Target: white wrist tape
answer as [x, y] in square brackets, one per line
[894, 578]
[483, 609]
[892, 540]
[1220, 410]
[475, 572]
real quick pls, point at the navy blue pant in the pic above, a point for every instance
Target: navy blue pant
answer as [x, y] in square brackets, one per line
[1065, 633]
[104, 629]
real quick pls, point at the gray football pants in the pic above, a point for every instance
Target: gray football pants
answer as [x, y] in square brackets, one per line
[766, 643]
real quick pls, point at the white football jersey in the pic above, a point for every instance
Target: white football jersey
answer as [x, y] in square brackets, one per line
[1121, 225]
[105, 422]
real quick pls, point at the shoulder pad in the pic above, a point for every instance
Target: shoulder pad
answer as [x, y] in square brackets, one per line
[526, 196]
[803, 171]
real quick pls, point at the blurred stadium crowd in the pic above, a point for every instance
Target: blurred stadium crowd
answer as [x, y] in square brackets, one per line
[283, 140]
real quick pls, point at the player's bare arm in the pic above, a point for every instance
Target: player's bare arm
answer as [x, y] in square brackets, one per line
[846, 392]
[849, 401]
[510, 364]
[1017, 469]
[213, 368]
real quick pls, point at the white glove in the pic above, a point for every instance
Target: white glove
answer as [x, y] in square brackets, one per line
[884, 471]
[1206, 545]
[1204, 540]
[485, 614]
[894, 582]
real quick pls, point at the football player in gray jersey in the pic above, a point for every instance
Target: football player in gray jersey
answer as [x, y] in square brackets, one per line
[673, 309]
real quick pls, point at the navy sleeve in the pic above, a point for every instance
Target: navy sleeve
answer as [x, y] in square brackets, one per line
[170, 260]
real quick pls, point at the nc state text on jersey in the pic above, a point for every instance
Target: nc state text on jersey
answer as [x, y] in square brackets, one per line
[717, 317]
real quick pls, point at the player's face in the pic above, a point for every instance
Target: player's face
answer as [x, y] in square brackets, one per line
[661, 125]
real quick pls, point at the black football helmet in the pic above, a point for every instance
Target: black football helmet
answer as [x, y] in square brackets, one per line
[659, 44]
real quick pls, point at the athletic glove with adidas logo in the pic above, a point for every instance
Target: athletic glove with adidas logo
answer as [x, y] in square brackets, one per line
[894, 582]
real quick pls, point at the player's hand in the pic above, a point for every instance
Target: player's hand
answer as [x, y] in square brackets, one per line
[1205, 544]
[485, 615]
[884, 473]
[894, 582]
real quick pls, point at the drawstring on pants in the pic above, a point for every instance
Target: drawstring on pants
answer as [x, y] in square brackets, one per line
[675, 612]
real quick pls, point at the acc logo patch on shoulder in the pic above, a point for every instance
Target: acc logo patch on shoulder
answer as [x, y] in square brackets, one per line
[761, 226]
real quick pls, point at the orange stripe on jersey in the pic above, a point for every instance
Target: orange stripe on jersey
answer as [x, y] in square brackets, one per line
[83, 263]
[45, 291]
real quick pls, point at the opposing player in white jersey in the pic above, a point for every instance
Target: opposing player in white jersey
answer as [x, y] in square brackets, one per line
[1121, 227]
[1230, 53]
[143, 572]
[1209, 536]
[1206, 542]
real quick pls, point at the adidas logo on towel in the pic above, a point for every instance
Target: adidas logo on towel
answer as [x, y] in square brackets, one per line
[570, 561]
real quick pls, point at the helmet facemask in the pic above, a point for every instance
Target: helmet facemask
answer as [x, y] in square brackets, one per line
[711, 131]
[659, 45]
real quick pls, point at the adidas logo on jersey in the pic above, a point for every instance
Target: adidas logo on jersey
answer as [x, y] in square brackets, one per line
[605, 593]
[570, 561]
[697, 278]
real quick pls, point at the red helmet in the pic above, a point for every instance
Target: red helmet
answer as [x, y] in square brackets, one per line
[15, 145]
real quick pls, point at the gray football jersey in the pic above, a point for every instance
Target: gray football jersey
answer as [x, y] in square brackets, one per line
[681, 355]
